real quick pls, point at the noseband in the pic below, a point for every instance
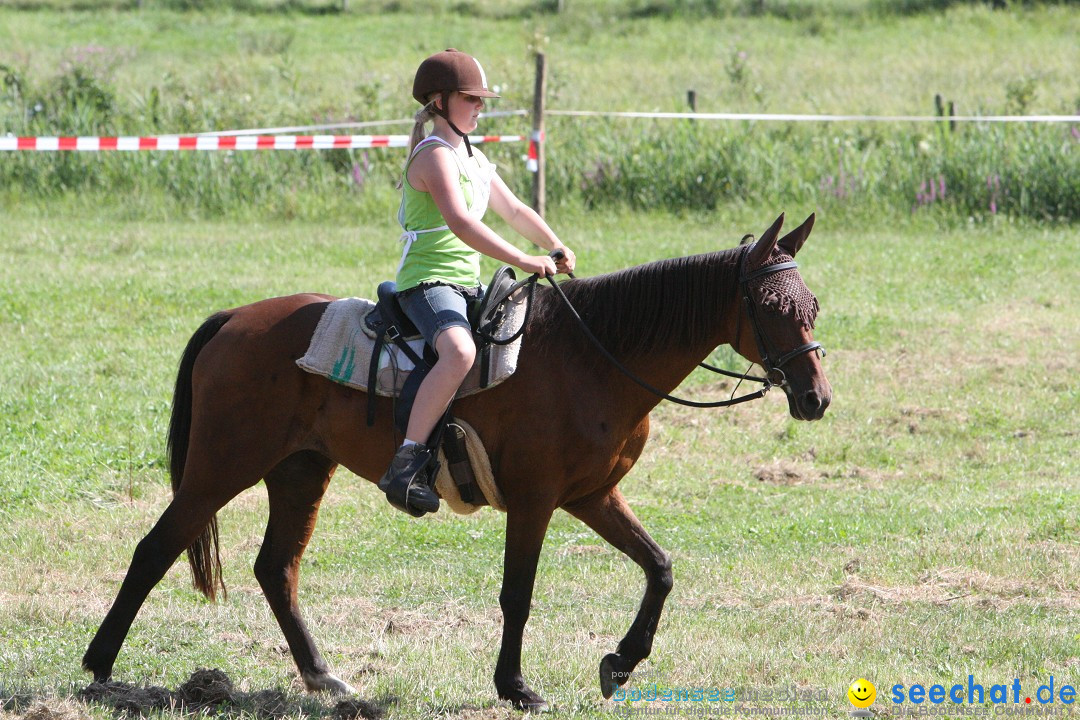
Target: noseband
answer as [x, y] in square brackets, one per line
[774, 375]
[773, 363]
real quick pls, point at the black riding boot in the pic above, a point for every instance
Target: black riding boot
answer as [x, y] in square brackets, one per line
[405, 484]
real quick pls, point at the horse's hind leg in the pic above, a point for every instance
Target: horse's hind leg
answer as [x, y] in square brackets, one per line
[613, 520]
[295, 488]
[183, 520]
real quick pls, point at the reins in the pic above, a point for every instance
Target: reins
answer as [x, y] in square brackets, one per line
[774, 375]
[654, 390]
[488, 335]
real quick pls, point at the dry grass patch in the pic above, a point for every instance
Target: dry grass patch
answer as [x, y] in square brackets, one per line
[61, 709]
[352, 613]
[971, 587]
[576, 550]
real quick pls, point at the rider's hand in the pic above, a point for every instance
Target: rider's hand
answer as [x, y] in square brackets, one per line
[568, 261]
[540, 264]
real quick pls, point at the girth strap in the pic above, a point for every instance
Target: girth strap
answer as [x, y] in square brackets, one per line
[393, 320]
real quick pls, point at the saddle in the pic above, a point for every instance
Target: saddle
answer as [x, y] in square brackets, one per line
[389, 324]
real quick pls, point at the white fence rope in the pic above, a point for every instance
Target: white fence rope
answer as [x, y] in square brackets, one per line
[341, 126]
[783, 117]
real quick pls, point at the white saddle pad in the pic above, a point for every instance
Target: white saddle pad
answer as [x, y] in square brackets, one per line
[341, 350]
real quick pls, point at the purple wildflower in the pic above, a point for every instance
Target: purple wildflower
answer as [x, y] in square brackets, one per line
[993, 183]
[360, 169]
[930, 191]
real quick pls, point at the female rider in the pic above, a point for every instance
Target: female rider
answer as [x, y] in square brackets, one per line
[446, 187]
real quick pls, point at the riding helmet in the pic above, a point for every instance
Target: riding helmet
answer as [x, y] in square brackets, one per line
[450, 70]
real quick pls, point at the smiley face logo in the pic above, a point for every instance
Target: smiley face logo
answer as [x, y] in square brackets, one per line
[862, 693]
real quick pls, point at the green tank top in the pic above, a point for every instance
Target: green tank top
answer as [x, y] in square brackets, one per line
[433, 253]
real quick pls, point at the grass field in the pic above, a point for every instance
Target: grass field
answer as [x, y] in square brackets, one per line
[926, 530]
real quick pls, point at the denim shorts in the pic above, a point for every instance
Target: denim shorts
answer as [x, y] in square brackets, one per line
[433, 307]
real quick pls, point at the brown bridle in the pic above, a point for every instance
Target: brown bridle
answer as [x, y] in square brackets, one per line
[773, 364]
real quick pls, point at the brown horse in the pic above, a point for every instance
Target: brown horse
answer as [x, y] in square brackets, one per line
[560, 433]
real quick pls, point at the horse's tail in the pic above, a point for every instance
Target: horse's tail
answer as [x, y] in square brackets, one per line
[203, 554]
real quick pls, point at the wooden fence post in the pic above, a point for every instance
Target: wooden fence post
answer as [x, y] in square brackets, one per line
[538, 194]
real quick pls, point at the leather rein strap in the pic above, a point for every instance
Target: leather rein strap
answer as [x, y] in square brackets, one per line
[773, 373]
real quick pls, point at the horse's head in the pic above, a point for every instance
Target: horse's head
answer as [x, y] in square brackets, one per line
[777, 320]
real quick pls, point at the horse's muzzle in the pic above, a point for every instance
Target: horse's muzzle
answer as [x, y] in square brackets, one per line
[810, 404]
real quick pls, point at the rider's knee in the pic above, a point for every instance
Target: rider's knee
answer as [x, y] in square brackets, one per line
[455, 347]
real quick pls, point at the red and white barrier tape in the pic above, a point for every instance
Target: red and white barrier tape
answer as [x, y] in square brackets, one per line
[532, 155]
[205, 142]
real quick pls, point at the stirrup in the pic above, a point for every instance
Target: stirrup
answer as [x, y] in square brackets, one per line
[404, 481]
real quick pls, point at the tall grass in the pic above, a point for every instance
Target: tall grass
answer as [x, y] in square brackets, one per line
[979, 171]
[519, 9]
[976, 171]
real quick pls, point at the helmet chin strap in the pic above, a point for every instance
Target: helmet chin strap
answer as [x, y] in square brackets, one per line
[445, 115]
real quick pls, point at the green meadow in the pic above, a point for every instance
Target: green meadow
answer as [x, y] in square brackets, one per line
[925, 530]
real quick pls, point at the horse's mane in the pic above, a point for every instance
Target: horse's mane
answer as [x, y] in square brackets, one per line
[662, 304]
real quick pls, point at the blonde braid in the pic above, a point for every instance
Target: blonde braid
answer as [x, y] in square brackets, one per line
[423, 116]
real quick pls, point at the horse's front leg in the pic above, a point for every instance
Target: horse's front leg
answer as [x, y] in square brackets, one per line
[613, 520]
[525, 529]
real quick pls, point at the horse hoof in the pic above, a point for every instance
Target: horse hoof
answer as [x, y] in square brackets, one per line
[326, 682]
[611, 675]
[538, 706]
[525, 699]
[92, 666]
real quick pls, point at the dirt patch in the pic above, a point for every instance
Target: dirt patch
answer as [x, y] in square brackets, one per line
[913, 419]
[205, 689]
[785, 472]
[352, 708]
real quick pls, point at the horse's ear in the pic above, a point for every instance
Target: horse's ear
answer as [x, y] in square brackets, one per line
[762, 249]
[793, 241]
